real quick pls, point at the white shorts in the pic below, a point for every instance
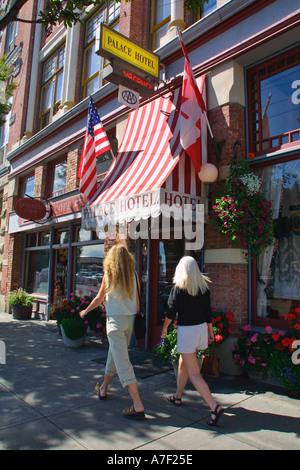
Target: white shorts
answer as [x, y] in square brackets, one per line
[192, 338]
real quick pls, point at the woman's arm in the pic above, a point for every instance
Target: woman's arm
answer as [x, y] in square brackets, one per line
[165, 327]
[96, 301]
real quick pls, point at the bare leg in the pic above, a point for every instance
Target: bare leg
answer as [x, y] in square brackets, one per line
[192, 368]
[103, 387]
[182, 378]
[135, 396]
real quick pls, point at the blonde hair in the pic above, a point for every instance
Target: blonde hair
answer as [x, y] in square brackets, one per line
[119, 271]
[189, 277]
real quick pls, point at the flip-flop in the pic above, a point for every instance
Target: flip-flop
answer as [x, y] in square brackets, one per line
[132, 414]
[174, 400]
[216, 414]
[97, 388]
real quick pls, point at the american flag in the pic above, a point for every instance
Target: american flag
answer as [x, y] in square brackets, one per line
[95, 143]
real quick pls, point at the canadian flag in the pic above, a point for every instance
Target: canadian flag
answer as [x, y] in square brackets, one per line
[192, 138]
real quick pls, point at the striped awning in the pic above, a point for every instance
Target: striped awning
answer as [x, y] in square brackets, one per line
[150, 172]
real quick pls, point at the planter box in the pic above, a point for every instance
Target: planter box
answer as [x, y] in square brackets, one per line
[224, 353]
[21, 312]
[71, 343]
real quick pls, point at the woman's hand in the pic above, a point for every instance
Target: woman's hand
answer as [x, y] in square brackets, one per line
[211, 336]
[164, 332]
[82, 313]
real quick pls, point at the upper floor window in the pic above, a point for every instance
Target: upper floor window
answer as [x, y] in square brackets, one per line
[51, 92]
[92, 62]
[104, 161]
[161, 15]
[274, 103]
[59, 178]
[10, 37]
[27, 186]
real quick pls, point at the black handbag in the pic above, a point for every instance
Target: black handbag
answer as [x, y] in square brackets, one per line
[140, 319]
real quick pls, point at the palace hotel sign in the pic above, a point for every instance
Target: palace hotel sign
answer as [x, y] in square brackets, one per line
[130, 64]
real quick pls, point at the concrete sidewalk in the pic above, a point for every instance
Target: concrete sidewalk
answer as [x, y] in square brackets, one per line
[47, 402]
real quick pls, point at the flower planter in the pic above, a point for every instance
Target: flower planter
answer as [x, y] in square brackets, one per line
[21, 312]
[71, 343]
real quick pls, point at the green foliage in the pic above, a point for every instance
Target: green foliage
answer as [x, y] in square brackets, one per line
[20, 297]
[74, 328]
[167, 347]
[243, 210]
[70, 12]
[9, 87]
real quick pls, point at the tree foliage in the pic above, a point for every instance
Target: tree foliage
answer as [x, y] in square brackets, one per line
[7, 88]
[70, 12]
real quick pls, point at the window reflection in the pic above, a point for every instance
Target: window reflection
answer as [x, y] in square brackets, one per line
[89, 269]
[37, 275]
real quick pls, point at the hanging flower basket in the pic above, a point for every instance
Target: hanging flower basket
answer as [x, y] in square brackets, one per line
[242, 209]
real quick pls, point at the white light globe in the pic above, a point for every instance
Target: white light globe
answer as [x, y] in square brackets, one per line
[208, 173]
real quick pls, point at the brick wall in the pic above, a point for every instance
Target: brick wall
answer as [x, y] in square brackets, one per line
[229, 291]
[227, 122]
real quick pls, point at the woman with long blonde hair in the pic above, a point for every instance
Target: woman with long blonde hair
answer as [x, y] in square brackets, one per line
[120, 288]
[189, 301]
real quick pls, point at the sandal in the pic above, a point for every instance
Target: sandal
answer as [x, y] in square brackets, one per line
[174, 400]
[132, 414]
[215, 415]
[97, 388]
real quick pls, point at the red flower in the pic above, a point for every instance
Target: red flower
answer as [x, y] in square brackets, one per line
[218, 338]
[286, 342]
[275, 336]
[297, 326]
[290, 317]
[229, 315]
[297, 310]
[220, 326]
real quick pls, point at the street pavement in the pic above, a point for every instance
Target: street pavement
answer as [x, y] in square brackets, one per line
[47, 402]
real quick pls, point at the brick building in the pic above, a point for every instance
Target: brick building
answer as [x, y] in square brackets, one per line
[249, 51]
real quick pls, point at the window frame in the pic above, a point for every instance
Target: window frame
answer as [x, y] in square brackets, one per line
[156, 26]
[254, 77]
[256, 321]
[22, 184]
[89, 42]
[51, 173]
[52, 80]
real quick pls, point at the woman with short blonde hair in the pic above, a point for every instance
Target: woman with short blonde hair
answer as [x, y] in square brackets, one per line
[189, 301]
[120, 288]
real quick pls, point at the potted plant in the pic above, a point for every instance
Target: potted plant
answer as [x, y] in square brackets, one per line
[72, 327]
[272, 354]
[242, 209]
[21, 304]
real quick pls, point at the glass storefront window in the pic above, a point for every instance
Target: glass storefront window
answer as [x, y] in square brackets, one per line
[89, 269]
[45, 239]
[170, 253]
[278, 268]
[37, 272]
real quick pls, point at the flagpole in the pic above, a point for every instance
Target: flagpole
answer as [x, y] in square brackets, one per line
[204, 112]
